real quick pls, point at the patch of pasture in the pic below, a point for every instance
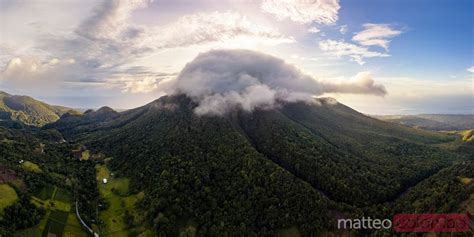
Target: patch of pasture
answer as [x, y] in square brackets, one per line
[85, 155]
[73, 227]
[46, 192]
[115, 192]
[31, 167]
[60, 218]
[63, 196]
[8, 196]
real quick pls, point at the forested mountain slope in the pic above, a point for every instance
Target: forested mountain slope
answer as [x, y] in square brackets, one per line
[89, 118]
[263, 171]
[28, 110]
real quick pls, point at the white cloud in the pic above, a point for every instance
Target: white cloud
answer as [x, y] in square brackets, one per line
[363, 83]
[376, 35]
[471, 69]
[144, 85]
[343, 29]
[355, 52]
[303, 11]
[313, 30]
[250, 98]
[419, 95]
[230, 28]
[23, 68]
[106, 43]
[220, 80]
[109, 19]
[33, 73]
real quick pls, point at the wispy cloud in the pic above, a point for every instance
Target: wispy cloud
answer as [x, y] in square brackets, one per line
[109, 19]
[213, 27]
[471, 69]
[302, 11]
[313, 29]
[376, 35]
[343, 29]
[105, 43]
[421, 95]
[355, 52]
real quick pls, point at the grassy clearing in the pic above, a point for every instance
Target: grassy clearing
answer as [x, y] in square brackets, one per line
[116, 194]
[46, 193]
[31, 167]
[51, 204]
[117, 186]
[85, 155]
[62, 196]
[8, 196]
[466, 180]
[114, 186]
[102, 172]
[73, 227]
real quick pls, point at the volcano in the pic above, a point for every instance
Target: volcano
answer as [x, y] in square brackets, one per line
[260, 171]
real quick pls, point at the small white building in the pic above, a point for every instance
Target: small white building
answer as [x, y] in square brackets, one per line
[104, 180]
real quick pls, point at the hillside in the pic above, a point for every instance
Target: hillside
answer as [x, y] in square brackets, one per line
[28, 110]
[40, 172]
[89, 118]
[435, 122]
[263, 171]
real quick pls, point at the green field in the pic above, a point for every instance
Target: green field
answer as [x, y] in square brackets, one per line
[102, 172]
[62, 196]
[85, 155]
[32, 167]
[56, 222]
[53, 198]
[46, 193]
[60, 218]
[8, 196]
[73, 227]
[116, 194]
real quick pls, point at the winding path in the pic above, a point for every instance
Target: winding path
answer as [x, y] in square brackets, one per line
[83, 223]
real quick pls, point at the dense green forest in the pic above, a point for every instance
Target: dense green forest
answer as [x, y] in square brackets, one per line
[295, 169]
[224, 175]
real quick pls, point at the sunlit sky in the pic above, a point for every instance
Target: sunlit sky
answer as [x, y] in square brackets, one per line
[91, 53]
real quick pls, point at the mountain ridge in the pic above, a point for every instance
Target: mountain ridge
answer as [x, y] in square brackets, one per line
[28, 110]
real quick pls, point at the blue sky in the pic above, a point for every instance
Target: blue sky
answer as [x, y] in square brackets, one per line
[439, 37]
[126, 53]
